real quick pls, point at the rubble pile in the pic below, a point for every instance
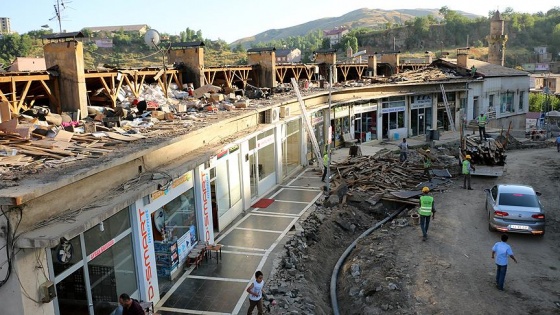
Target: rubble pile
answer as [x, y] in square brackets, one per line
[424, 75]
[377, 174]
[37, 138]
[489, 152]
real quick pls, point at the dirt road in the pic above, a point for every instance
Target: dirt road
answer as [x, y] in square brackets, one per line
[452, 272]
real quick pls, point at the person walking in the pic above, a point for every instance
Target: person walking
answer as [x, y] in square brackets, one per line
[428, 165]
[325, 165]
[256, 292]
[482, 119]
[404, 150]
[558, 143]
[501, 251]
[467, 169]
[426, 211]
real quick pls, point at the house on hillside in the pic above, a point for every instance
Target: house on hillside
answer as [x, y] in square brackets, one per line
[21, 64]
[335, 35]
[288, 55]
[139, 29]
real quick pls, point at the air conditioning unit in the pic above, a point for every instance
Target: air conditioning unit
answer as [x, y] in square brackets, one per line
[284, 111]
[272, 115]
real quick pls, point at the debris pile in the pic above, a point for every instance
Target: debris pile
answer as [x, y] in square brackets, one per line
[489, 152]
[425, 75]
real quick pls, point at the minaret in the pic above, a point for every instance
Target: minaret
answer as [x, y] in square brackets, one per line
[497, 40]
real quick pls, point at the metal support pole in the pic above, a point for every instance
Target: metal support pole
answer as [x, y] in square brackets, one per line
[328, 180]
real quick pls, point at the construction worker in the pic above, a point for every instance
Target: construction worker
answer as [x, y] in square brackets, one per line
[482, 119]
[426, 211]
[325, 165]
[467, 169]
[427, 165]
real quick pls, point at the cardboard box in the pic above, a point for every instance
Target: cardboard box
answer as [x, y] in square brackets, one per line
[158, 114]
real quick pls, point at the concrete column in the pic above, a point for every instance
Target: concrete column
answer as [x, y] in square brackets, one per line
[372, 64]
[69, 57]
[193, 59]
[264, 67]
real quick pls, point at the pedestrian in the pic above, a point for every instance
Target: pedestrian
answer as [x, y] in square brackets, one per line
[428, 165]
[558, 143]
[482, 119]
[325, 165]
[426, 211]
[404, 150]
[256, 292]
[130, 306]
[467, 169]
[500, 253]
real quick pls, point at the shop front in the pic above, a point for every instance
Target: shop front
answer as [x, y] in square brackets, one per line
[166, 228]
[341, 121]
[318, 124]
[393, 111]
[291, 146]
[443, 122]
[262, 160]
[365, 121]
[93, 268]
[420, 114]
[224, 176]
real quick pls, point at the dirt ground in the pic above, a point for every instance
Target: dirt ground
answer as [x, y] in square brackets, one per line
[392, 271]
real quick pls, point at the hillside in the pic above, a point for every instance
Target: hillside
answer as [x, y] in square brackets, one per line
[370, 18]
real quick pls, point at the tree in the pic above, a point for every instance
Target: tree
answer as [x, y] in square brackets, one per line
[14, 45]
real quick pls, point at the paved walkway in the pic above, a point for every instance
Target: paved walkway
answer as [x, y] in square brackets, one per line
[250, 244]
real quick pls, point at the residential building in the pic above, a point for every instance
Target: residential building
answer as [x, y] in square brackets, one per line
[5, 25]
[28, 64]
[288, 55]
[335, 35]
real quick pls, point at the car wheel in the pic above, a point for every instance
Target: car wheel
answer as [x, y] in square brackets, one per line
[490, 228]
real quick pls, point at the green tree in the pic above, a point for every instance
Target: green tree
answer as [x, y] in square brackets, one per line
[14, 45]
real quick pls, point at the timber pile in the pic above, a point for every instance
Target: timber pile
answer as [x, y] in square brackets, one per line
[17, 153]
[489, 152]
[377, 174]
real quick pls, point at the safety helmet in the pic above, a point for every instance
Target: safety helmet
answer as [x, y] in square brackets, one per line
[468, 157]
[425, 190]
[428, 150]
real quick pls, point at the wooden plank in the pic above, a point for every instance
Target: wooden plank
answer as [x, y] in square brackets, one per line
[116, 136]
[50, 151]
[64, 135]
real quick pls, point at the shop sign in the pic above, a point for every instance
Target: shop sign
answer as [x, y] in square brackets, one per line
[364, 108]
[316, 120]
[101, 249]
[222, 154]
[265, 141]
[156, 194]
[421, 101]
[233, 149]
[187, 177]
[145, 224]
[392, 110]
[206, 205]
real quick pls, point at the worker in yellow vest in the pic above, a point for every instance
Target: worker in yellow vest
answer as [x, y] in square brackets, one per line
[482, 120]
[325, 165]
[467, 169]
[426, 211]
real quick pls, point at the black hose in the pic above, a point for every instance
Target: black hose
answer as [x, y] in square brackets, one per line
[8, 256]
[334, 276]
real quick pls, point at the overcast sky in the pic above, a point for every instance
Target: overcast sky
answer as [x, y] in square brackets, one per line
[225, 19]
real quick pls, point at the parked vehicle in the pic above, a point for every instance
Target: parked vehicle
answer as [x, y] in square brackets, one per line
[515, 209]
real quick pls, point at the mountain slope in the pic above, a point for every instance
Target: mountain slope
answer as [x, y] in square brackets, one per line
[358, 18]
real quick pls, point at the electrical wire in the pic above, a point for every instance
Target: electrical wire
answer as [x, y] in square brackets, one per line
[8, 256]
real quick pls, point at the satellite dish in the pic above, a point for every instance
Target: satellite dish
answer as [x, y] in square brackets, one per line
[151, 38]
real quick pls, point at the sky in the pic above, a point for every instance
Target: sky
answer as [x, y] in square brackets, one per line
[228, 20]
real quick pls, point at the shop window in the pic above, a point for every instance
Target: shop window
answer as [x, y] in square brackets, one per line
[506, 102]
[228, 183]
[112, 272]
[96, 237]
[491, 101]
[291, 147]
[71, 294]
[176, 218]
[521, 100]
[396, 120]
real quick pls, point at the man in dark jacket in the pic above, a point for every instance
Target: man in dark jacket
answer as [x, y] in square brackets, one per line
[130, 306]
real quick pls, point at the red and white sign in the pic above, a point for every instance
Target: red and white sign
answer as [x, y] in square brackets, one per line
[206, 202]
[265, 141]
[101, 249]
[147, 256]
